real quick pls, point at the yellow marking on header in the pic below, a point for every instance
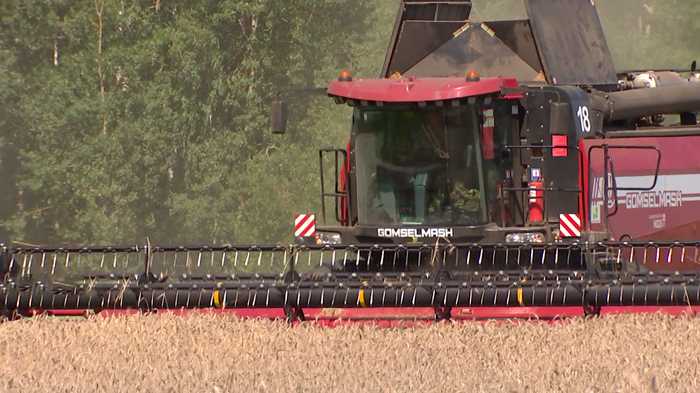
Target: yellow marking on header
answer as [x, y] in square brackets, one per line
[217, 301]
[461, 29]
[488, 29]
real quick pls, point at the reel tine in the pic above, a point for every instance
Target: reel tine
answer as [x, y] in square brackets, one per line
[683, 254]
[544, 255]
[670, 254]
[26, 265]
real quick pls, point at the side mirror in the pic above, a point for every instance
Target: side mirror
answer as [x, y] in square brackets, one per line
[559, 118]
[279, 117]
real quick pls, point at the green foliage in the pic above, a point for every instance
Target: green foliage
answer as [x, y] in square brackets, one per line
[653, 34]
[138, 119]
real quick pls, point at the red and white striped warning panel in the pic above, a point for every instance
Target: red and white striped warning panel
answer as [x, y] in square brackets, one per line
[304, 225]
[570, 225]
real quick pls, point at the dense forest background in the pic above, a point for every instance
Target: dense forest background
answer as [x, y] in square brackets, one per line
[122, 119]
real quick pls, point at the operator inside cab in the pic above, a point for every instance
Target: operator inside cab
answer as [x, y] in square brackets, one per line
[455, 191]
[419, 167]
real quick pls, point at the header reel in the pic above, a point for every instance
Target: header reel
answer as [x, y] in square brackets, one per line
[294, 278]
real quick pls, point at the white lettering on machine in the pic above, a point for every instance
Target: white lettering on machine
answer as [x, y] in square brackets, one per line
[415, 232]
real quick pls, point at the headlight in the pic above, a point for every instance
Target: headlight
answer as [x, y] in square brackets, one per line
[525, 237]
[327, 238]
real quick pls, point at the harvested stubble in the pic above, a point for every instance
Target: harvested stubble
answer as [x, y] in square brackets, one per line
[208, 353]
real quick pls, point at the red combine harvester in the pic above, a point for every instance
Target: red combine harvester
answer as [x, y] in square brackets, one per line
[495, 170]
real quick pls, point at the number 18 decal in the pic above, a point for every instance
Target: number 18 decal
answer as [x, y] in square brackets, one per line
[584, 118]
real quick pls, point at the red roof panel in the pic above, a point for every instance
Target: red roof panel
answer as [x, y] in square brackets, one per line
[417, 89]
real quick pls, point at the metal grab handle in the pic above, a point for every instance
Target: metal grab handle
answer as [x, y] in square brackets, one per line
[580, 191]
[608, 162]
[613, 189]
[338, 194]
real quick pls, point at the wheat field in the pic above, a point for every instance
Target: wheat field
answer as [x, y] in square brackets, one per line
[210, 353]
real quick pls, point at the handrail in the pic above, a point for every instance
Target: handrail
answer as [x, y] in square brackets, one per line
[609, 169]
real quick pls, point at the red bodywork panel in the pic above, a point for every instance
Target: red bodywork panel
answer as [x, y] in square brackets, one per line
[671, 211]
[408, 317]
[417, 90]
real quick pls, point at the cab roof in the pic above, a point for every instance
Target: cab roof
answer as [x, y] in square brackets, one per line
[412, 89]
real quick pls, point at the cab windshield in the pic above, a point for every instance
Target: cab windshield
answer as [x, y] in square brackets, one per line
[419, 167]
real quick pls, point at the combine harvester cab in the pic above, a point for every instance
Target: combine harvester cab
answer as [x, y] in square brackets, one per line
[493, 171]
